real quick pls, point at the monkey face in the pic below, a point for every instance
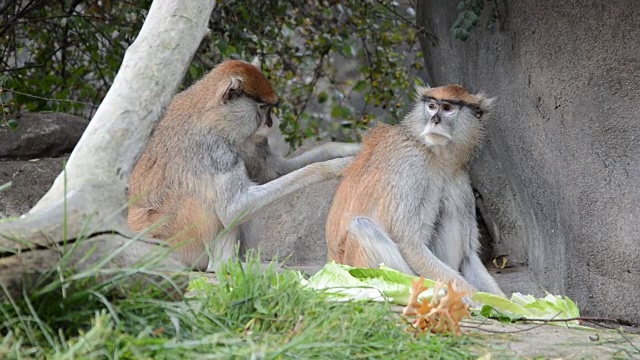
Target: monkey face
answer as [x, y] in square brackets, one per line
[447, 116]
[440, 117]
[265, 120]
[242, 100]
[246, 115]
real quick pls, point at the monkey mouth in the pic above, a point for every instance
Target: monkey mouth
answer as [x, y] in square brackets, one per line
[265, 126]
[269, 121]
[436, 138]
[433, 133]
[439, 135]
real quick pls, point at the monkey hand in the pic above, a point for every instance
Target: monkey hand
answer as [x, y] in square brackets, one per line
[464, 286]
[350, 149]
[330, 169]
[338, 165]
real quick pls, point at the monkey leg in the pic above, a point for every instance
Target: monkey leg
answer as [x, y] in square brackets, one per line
[369, 246]
[475, 273]
[222, 248]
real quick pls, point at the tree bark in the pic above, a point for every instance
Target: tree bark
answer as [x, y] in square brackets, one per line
[89, 198]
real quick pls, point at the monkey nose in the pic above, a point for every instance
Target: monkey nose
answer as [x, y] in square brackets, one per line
[436, 120]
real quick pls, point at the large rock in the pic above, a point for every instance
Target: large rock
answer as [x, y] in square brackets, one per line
[293, 229]
[41, 135]
[30, 181]
[559, 177]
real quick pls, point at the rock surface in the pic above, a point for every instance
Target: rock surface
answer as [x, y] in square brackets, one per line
[30, 181]
[533, 341]
[558, 176]
[294, 227]
[41, 135]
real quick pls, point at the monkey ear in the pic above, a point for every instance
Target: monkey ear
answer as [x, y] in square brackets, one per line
[233, 89]
[420, 90]
[484, 105]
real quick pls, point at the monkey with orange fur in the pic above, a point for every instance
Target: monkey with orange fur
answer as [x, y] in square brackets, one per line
[208, 166]
[406, 200]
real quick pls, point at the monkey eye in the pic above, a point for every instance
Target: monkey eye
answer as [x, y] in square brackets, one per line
[432, 106]
[447, 107]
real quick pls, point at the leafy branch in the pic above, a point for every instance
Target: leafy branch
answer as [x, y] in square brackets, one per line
[470, 11]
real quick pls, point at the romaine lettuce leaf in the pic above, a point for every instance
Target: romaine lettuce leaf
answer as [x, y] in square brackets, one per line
[347, 283]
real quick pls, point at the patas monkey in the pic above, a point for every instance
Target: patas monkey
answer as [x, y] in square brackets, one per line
[208, 164]
[406, 200]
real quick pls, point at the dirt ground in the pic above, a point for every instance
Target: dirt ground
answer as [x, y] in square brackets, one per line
[535, 341]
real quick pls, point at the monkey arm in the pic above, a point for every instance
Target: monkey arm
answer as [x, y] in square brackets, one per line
[472, 267]
[235, 199]
[425, 263]
[320, 153]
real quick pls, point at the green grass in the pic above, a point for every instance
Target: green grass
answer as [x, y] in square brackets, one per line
[253, 313]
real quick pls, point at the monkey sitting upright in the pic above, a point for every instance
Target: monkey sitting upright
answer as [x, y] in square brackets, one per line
[406, 200]
[202, 168]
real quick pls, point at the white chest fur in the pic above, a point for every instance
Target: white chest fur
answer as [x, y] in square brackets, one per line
[455, 222]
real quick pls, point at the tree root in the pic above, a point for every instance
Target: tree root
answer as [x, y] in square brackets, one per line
[103, 254]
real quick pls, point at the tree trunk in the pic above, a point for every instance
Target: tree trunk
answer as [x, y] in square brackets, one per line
[89, 198]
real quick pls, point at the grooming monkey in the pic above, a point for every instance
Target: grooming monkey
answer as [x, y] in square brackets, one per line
[208, 163]
[406, 200]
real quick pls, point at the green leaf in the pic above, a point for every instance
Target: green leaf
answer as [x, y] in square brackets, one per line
[344, 282]
[486, 311]
[230, 50]
[458, 20]
[323, 97]
[360, 86]
[387, 274]
[340, 111]
[467, 24]
[547, 307]
[500, 303]
[349, 51]
[200, 286]
[463, 34]
[6, 96]
[4, 79]
[13, 124]
[257, 304]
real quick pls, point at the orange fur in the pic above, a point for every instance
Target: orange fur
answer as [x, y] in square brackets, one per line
[452, 92]
[254, 82]
[361, 193]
